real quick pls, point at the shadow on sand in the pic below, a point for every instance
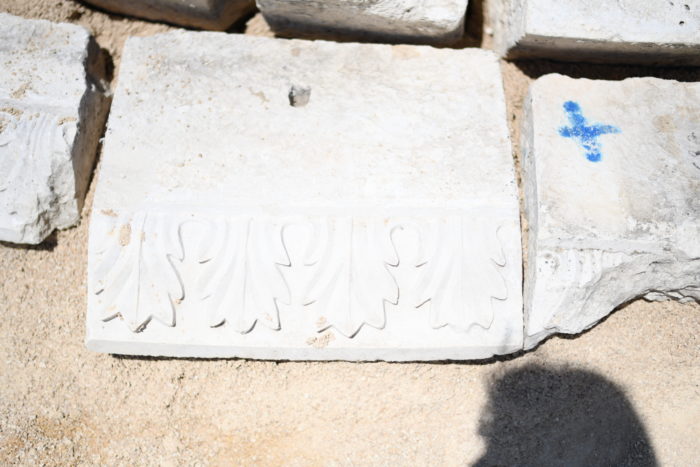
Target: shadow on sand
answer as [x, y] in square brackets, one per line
[538, 416]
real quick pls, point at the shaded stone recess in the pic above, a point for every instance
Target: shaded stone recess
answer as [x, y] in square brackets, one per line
[414, 21]
[52, 112]
[217, 15]
[612, 184]
[284, 199]
[624, 31]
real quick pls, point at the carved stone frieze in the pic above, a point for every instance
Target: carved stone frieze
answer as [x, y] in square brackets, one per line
[373, 216]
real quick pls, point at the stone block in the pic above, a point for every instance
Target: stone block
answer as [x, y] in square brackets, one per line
[216, 15]
[52, 113]
[623, 31]
[279, 199]
[612, 184]
[416, 21]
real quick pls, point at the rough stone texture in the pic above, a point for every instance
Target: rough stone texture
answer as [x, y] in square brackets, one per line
[217, 15]
[52, 111]
[612, 183]
[658, 32]
[437, 21]
[283, 196]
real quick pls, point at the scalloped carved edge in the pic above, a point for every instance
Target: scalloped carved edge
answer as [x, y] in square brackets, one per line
[350, 260]
[461, 272]
[351, 280]
[136, 277]
[241, 284]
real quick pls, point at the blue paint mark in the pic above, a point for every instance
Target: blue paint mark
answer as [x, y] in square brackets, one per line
[586, 134]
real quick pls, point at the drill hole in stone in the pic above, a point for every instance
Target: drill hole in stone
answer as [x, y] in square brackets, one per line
[299, 96]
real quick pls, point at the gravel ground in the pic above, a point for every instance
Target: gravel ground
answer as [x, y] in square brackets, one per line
[626, 392]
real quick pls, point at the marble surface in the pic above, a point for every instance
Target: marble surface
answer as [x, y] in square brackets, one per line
[612, 185]
[437, 21]
[624, 31]
[52, 112]
[305, 200]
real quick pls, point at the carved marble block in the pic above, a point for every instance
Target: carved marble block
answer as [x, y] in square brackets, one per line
[635, 31]
[281, 199]
[436, 21]
[217, 15]
[612, 184]
[52, 112]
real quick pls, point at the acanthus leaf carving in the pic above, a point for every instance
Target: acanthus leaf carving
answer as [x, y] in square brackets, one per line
[136, 278]
[24, 141]
[351, 282]
[460, 272]
[241, 282]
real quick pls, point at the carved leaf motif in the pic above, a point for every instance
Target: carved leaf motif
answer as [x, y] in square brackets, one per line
[136, 278]
[10, 162]
[351, 282]
[241, 282]
[460, 272]
[23, 141]
[580, 270]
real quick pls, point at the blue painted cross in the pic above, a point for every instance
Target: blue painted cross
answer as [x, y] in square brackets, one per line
[586, 134]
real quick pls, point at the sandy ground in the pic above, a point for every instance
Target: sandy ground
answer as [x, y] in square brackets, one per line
[625, 393]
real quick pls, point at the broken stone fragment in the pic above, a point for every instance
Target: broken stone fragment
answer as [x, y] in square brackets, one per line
[437, 21]
[634, 31]
[288, 199]
[612, 185]
[216, 15]
[52, 112]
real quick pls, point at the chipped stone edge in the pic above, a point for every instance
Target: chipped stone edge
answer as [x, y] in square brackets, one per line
[295, 27]
[93, 110]
[653, 269]
[225, 15]
[513, 42]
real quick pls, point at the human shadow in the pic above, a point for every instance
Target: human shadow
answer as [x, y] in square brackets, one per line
[539, 416]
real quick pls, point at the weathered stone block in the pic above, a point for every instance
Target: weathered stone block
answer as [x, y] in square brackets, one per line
[660, 32]
[217, 15]
[437, 21]
[612, 183]
[52, 112]
[284, 199]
